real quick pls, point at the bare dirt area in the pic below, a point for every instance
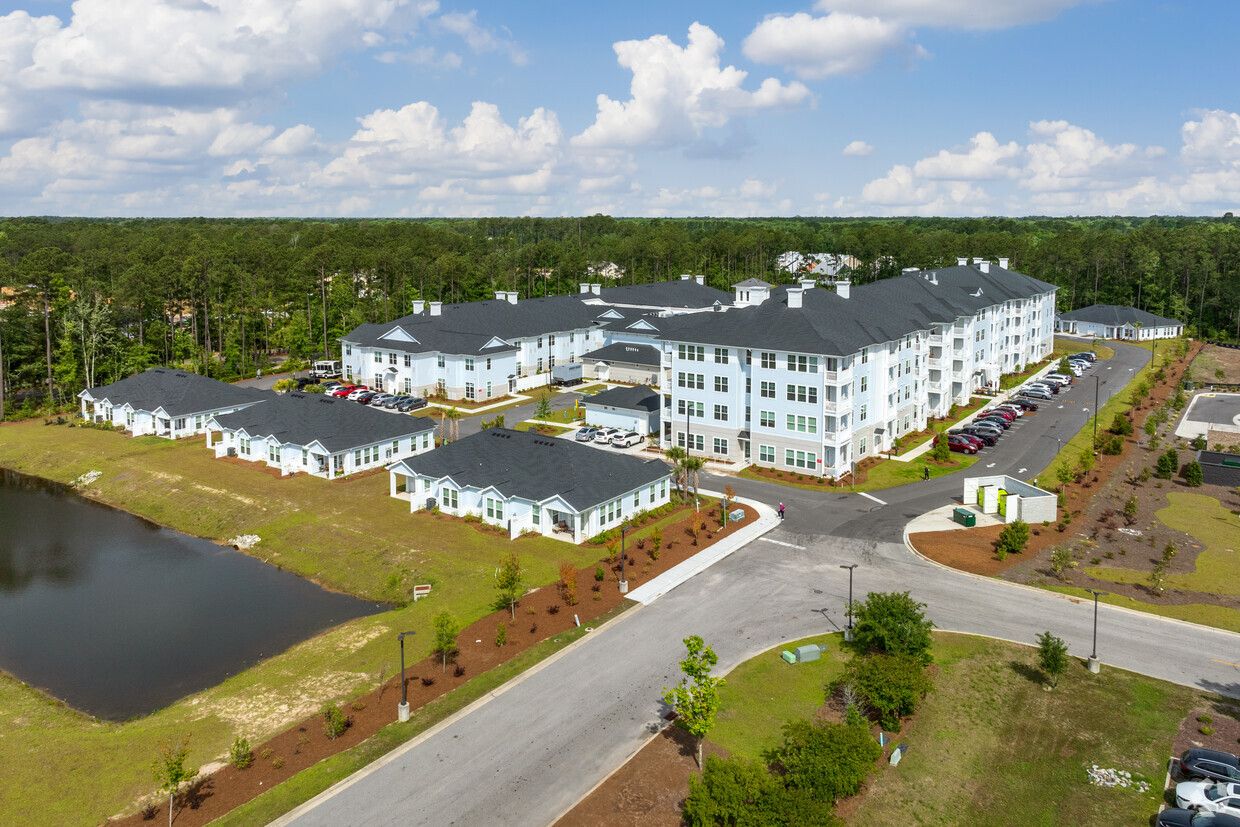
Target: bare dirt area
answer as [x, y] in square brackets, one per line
[540, 615]
[1214, 726]
[1216, 364]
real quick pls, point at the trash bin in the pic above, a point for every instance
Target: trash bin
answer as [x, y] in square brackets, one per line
[965, 517]
[1188, 384]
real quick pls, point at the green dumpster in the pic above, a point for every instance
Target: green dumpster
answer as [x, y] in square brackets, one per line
[965, 517]
[1188, 384]
[1003, 502]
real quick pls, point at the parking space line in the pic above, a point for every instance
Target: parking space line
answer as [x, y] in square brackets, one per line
[872, 497]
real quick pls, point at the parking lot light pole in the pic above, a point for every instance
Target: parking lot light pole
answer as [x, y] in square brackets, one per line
[624, 581]
[848, 633]
[402, 711]
[1094, 664]
[1096, 412]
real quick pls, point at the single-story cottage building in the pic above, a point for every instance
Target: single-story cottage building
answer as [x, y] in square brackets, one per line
[1110, 321]
[624, 362]
[628, 408]
[165, 402]
[527, 482]
[302, 433]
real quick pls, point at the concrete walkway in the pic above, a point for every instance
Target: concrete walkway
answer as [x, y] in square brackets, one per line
[940, 519]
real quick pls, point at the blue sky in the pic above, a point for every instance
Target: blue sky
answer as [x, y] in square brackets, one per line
[432, 108]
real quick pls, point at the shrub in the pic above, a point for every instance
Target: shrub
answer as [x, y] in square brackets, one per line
[599, 574]
[1207, 730]
[568, 582]
[239, 754]
[894, 623]
[1120, 425]
[428, 681]
[891, 685]
[501, 634]
[1087, 460]
[656, 539]
[334, 721]
[458, 671]
[1113, 446]
[1130, 510]
[1199, 442]
[1052, 656]
[735, 790]
[1062, 559]
[1192, 474]
[265, 754]
[1168, 462]
[828, 761]
[1013, 538]
[1144, 476]
[1204, 719]
[277, 762]
[553, 609]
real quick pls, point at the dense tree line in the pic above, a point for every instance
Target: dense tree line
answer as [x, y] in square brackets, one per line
[89, 301]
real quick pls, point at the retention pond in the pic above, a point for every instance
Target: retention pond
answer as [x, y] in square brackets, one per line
[119, 617]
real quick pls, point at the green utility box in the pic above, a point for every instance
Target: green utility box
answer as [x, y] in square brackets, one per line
[965, 517]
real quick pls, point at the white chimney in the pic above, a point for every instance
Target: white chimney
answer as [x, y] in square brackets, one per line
[1003, 263]
[700, 279]
[808, 284]
[595, 288]
[511, 296]
[962, 261]
[794, 297]
[436, 307]
[500, 295]
[585, 287]
[842, 288]
[685, 276]
[418, 306]
[983, 265]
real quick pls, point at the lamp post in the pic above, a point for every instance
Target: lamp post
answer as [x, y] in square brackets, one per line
[1094, 664]
[1095, 413]
[402, 711]
[624, 581]
[848, 633]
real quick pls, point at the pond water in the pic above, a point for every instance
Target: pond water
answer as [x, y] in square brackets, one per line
[119, 617]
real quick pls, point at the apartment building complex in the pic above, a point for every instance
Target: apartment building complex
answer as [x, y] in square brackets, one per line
[812, 380]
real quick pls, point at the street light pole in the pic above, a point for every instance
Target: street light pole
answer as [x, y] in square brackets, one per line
[624, 581]
[402, 711]
[1094, 664]
[1095, 413]
[848, 633]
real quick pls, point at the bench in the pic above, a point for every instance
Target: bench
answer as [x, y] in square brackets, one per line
[421, 591]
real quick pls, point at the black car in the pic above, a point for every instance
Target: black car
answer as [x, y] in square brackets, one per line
[1175, 817]
[1002, 422]
[1027, 404]
[302, 381]
[986, 435]
[394, 402]
[1210, 765]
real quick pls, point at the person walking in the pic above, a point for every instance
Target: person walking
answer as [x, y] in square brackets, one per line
[781, 511]
[925, 472]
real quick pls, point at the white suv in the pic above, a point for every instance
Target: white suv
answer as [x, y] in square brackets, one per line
[625, 439]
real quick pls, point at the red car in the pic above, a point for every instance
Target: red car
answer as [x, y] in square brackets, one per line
[344, 390]
[960, 445]
[1008, 415]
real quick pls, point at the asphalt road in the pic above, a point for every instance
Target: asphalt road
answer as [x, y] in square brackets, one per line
[542, 743]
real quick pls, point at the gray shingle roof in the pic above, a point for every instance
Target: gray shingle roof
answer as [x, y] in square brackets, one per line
[685, 294]
[875, 313]
[636, 398]
[527, 465]
[1117, 315]
[752, 283]
[633, 354]
[176, 391]
[340, 425]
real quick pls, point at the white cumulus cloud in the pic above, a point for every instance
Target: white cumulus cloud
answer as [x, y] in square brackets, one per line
[679, 92]
[857, 149]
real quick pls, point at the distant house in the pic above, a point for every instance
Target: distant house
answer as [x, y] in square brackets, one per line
[527, 482]
[605, 270]
[165, 402]
[624, 362]
[326, 437]
[1110, 321]
[628, 408]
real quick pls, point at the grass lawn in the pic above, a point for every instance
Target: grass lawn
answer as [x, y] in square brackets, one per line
[764, 692]
[990, 745]
[348, 535]
[547, 430]
[1220, 617]
[1218, 564]
[1066, 347]
[891, 473]
[1119, 403]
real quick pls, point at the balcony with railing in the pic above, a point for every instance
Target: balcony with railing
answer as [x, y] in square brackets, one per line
[839, 376]
[837, 406]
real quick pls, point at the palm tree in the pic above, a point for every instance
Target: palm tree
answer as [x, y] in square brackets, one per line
[676, 455]
[454, 418]
[692, 465]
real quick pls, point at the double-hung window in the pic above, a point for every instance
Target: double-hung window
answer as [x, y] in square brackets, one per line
[767, 390]
[721, 384]
[766, 419]
[721, 413]
[768, 360]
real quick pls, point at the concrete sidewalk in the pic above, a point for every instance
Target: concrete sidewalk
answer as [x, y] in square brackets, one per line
[940, 519]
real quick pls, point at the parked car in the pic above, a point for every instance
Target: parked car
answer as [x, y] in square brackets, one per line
[1023, 403]
[996, 420]
[988, 436]
[1036, 393]
[354, 394]
[379, 399]
[626, 439]
[1210, 764]
[604, 435]
[1008, 406]
[1010, 416]
[976, 441]
[394, 403]
[587, 434]
[1175, 817]
[411, 404]
[364, 397]
[344, 390]
[1211, 796]
[1061, 378]
[961, 445]
[1042, 387]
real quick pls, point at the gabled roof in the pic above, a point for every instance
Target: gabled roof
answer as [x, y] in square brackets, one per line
[636, 398]
[752, 283]
[533, 467]
[178, 392]
[628, 352]
[879, 312]
[337, 424]
[1117, 316]
[684, 294]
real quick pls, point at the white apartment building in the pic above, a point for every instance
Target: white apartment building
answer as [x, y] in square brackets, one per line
[483, 350]
[811, 380]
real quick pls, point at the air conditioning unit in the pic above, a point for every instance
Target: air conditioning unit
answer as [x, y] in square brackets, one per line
[232, 452]
[430, 503]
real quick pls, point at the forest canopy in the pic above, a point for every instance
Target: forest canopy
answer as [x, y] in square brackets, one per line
[88, 301]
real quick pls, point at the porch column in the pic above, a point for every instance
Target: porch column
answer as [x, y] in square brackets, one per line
[392, 484]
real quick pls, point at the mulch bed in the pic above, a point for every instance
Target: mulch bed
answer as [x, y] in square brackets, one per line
[306, 744]
[1224, 720]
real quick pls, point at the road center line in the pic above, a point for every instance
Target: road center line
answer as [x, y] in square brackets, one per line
[871, 497]
[781, 543]
[1227, 662]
